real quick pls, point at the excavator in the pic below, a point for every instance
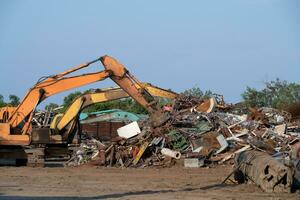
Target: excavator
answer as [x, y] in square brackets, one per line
[63, 124]
[16, 129]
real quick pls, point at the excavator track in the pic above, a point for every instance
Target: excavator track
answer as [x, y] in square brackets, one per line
[35, 157]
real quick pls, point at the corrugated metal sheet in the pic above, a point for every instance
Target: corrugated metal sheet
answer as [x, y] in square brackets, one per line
[110, 115]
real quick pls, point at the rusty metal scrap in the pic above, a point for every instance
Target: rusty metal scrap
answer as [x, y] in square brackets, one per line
[214, 137]
[140, 153]
[263, 170]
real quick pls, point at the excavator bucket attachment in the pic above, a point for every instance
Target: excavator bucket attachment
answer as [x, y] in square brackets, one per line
[121, 76]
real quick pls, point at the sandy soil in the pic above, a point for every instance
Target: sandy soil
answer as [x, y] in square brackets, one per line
[89, 183]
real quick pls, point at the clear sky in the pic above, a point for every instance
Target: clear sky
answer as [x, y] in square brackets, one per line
[219, 45]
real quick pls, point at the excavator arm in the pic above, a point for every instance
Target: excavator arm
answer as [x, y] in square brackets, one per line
[64, 125]
[122, 77]
[22, 115]
[51, 86]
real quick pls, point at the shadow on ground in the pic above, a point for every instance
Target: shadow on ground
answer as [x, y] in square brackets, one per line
[113, 196]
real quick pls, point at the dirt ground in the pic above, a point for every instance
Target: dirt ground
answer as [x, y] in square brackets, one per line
[89, 183]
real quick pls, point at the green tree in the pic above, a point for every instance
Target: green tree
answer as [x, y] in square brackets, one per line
[2, 102]
[51, 106]
[127, 104]
[194, 91]
[14, 100]
[276, 94]
[69, 98]
[197, 92]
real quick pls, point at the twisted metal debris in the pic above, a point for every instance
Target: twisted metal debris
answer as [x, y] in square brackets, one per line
[214, 138]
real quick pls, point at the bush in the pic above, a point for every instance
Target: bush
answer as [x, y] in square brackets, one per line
[277, 94]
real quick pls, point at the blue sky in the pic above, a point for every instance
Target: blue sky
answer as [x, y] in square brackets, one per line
[219, 45]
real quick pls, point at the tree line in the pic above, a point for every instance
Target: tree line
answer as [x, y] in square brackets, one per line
[14, 100]
[276, 93]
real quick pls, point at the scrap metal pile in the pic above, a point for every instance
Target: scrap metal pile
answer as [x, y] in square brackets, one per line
[202, 133]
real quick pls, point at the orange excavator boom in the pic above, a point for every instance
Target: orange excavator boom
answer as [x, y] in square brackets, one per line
[21, 116]
[128, 83]
[51, 86]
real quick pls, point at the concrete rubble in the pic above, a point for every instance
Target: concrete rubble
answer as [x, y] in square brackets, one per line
[265, 137]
